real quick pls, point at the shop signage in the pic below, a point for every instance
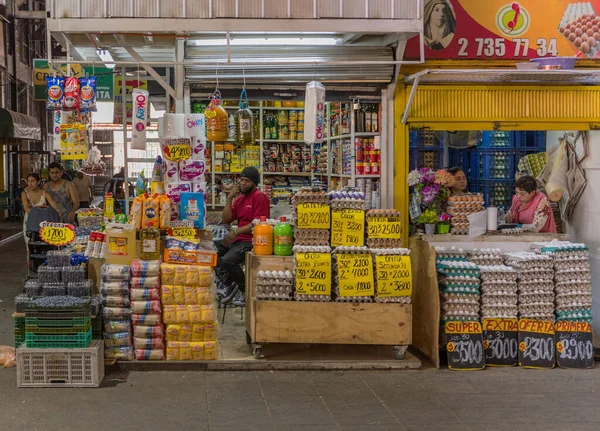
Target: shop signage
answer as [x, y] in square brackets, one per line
[347, 228]
[536, 343]
[41, 71]
[504, 29]
[394, 276]
[176, 149]
[313, 273]
[500, 342]
[118, 97]
[464, 344]
[355, 275]
[385, 227]
[57, 233]
[574, 345]
[314, 216]
[104, 82]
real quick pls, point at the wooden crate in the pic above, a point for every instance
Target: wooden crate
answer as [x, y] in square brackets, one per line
[320, 322]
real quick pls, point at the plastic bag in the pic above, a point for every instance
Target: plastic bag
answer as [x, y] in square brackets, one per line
[94, 165]
[150, 354]
[145, 268]
[7, 356]
[144, 294]
[145, 282]
[145, 307]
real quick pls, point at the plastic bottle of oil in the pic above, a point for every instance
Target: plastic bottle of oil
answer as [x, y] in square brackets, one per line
[149, 243]
[120, 239]
[263, 238]
[217, 120]
[244, 122]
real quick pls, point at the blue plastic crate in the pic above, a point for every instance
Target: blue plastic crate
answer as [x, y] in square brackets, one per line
[461, 159]
[496, 192]
[426, 159]
[492, 164]
[499, 139]
[425, 138]
[532, 141]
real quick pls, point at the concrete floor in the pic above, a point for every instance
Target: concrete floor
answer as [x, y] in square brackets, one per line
[493, 399]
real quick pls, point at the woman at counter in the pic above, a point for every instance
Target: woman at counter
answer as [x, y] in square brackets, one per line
[530, 208]
[460, 181]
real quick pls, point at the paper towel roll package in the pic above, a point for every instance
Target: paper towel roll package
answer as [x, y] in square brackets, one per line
[492, 218]
[200, 187]
[194, 125]
[174, 126]
[171, 172]
[314, 113]
[192, 170]
[174, 190]
[198, 148]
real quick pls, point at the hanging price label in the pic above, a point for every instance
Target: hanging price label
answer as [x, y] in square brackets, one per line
[176, 149]
[57, 233]
[347, 228]
[355, 275]
[385, 227]
[313, 216]
[313, 273]
[394, 276]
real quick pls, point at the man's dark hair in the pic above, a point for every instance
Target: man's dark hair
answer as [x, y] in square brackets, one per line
[526, 183]
[55, 165]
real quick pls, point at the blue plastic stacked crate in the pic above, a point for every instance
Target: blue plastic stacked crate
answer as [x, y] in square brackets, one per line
[499, 139]
[461, 159]
[494, 157]
[426, 150]
[496, 192]
[529, 143]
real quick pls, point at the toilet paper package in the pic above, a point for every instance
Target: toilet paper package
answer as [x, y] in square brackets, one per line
[171, 172]
[174, 190]
[198, 147]
[192, 170]
[192, 208]
[314, 113]
[200, 187]
[174, 126]
[194, 125]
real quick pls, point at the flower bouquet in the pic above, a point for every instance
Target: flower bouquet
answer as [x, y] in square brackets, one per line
[431, 187]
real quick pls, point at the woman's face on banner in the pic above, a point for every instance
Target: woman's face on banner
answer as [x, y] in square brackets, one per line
[438, 15]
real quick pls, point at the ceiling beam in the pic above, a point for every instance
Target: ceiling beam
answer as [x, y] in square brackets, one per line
[66, 43]
[350, 38]
[164, 84]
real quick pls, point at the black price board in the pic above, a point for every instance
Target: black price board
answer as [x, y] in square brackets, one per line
[500, 341]
[464, 344]
[574, 345]
[536, 343]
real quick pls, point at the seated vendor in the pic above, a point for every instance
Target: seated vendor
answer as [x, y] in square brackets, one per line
[530, 208]
[460, 181]
[245, 203]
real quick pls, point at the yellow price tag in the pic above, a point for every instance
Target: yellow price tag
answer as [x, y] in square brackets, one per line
[394, 276]
[313, 273]
[385, 227]
[57, 233]
[176, 149]
[313, 216]
[347, 228]
[355, 275]
[183, 232]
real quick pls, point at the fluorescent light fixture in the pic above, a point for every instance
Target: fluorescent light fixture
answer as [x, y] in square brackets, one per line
[267, 41]
[105, 56]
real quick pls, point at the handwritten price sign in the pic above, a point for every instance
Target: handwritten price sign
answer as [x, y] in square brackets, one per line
[347, 228]
[464, 344]
[355, 274]
[57, 233]
[313, 273]
[536, 343]
[385, 227]
[313, 216]
[176, 149]
[394, 276]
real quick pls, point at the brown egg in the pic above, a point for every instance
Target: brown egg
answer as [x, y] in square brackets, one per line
[585, 47]
[592, 42]
[573, 28]
[562, 29]
[596, 35]
[589, 32]
[584, 37]
[578, 32]
[572, 37]
[595, 27]
[589, 25]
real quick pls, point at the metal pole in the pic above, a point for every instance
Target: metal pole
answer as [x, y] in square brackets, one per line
[125, 152]
[179, 74]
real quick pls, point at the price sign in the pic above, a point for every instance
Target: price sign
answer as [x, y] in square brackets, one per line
[464, 344]
[57, 233]
[574, 345]
[385, 227]
[500, 342]
[394, 276]
[313, 273]
[176, 149]
[355, 274]
[313, 216]
[347, 228]
[536, 343]
[183, 232]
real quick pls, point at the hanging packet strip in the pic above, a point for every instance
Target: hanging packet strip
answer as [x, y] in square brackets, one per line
[140, 118]
[88, 93]
[55, 86]
[72, 99]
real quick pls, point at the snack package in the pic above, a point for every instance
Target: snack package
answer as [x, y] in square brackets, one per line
[150, 214]
[185, 334]
[197, 351]
[182, 314]
[172, 332]
[114, 326]
[189, 295]
[198, 332]
[145, 331]
[55, 85]
[144, 307]
[178, 296]
[167, 273]
[165, 211]
[210, 331]
[169, 314]
[146, 319]
[150, 354]
[205, 276]
[145, 268]
[144, 294]
[120, 353]
[117, 339]
[211, 350]
[172, 351]
[145, 282]
[72, 99]
[191, 276]
[88, 93]
[209, 313]
[137, 208]
[194, 313]
[114, 272]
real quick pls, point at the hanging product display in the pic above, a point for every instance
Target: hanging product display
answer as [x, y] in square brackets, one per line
[72, 98]
[73, 141]
[55, 86]
[217, 120]
[140, 118]
[314, 113]
[244, 122]
[88, 93]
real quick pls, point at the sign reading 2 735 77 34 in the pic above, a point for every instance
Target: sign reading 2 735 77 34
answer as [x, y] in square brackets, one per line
[504, 29]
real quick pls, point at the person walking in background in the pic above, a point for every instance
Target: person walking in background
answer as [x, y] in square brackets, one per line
[439, 25]
[63, 192]
[85, 190]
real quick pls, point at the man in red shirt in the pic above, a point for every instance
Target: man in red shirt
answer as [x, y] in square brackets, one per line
[245, 203]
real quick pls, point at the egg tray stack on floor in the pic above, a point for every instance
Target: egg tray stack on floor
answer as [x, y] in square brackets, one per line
[389, 252]
[116, 311]
[310, 249]
[450, 253]
[335, 288]
[486, 256]
[499, 297]
[536, 284]
[310, 237]
[459, 290]
[572, 280]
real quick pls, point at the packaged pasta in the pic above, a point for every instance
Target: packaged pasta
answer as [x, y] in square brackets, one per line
[143, 307]
[209, 312]
[150, 354]
[185, 334]
[179, 276]
[191, 276]
[182, 314]
[146, 331]
[210, 331]
[166, 295]
[189, 295]
[144, 294]
[205, 276]
[185, 351]
[194, 314]
[172, 351]
[172, 332]
[203, 295]
[148, 343]
[145, 268]
[211, 350]
[198, 332]
[150, 213]
[197, 351]
[178, 295]
[165, 211]
[137, 208]
[144, 282]
[167, 273]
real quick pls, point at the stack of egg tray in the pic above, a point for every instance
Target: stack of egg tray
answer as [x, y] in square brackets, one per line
[459, 290]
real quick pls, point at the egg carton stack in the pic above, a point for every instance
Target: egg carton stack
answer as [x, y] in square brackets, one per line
[274, 285]
[459, 208]
[459, 284]
[335, 288]
[572, 280]
[580, 26]
[486, 256]
[310, 249]
[535, 275]
[116, 311]
[451, 254]
[339, 200]
[499, 297]
[310, 237]
[383, 242]
[389, 252]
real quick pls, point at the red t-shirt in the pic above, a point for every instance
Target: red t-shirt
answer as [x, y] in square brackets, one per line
[248, 207]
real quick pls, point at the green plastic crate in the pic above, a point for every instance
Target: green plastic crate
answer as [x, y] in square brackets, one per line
[97, 328]
[19, 341]
[58, 330]
[80, 340]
